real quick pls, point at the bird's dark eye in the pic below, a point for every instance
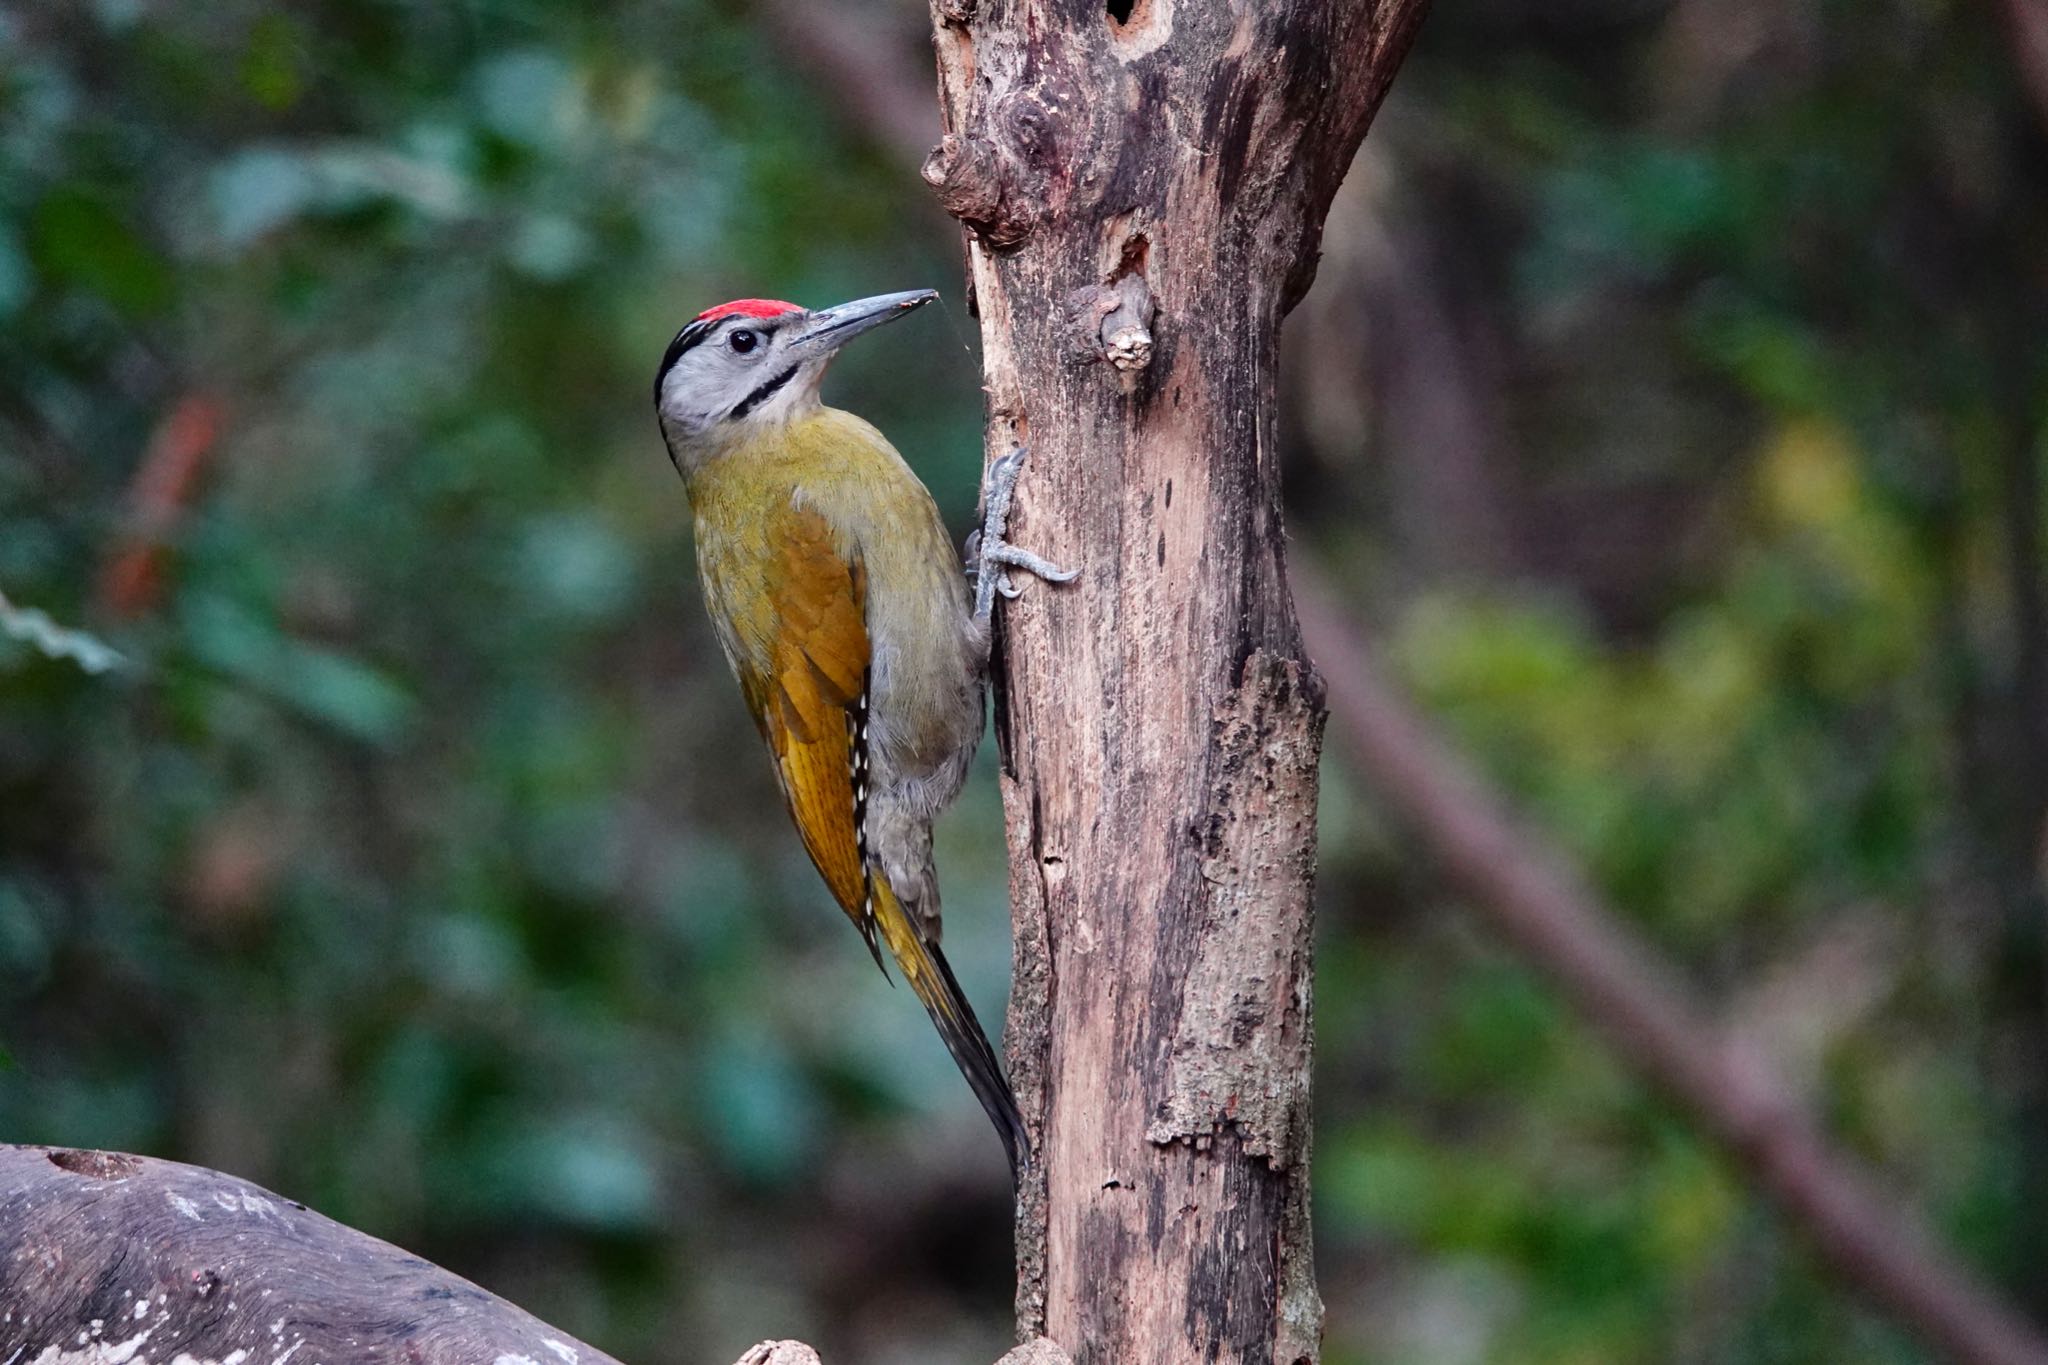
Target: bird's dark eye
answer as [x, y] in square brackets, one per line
[744, 341]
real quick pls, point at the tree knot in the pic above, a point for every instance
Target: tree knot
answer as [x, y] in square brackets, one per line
[973, 186]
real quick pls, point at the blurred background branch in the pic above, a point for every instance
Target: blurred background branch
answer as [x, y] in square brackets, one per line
[1639, 1006]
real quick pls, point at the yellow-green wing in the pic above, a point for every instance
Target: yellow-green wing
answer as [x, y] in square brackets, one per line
[808, 690]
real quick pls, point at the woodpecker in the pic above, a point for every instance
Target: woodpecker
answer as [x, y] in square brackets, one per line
[840, 605]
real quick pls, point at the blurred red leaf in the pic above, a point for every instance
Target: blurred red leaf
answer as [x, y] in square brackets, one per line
[132, 582]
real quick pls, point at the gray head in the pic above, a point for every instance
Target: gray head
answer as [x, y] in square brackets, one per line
[756, 362]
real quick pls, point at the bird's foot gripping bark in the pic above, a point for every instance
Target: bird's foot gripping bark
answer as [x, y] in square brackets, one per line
[989, 556]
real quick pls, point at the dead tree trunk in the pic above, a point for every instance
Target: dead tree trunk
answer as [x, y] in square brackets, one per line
[1143, 188]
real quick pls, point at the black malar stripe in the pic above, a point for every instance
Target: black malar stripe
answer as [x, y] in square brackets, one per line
[763, 393]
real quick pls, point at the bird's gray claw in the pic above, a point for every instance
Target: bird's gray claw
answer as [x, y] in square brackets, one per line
[1010, 556]
[990, 554]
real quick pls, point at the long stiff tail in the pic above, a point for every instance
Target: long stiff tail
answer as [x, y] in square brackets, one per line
[924, 967]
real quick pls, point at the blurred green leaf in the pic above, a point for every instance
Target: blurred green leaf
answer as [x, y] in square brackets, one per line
[325, 685]
[17, 279]
[79, 238]
[273, 62]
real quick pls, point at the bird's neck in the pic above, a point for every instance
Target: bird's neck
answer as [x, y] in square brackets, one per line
[758, 435]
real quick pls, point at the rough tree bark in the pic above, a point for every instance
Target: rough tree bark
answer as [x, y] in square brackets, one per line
[1143, 189]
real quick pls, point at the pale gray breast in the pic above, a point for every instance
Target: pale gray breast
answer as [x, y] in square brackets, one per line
[925, 714]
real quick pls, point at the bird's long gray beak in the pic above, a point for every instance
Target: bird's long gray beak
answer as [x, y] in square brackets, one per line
[828, 329]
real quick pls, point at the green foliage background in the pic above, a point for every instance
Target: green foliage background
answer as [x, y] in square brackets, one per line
[416, 861]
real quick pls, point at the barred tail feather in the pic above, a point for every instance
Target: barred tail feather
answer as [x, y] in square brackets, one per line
[924, 967]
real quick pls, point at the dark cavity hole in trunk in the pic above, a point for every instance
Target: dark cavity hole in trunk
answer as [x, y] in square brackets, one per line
[1120, 11]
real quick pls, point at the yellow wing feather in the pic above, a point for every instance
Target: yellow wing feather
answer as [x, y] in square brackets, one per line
[807, 691]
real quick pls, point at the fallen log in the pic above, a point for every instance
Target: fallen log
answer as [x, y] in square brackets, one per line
[109, 1259]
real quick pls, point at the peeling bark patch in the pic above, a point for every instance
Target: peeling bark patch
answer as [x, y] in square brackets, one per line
[1242, 1047]
[1132, 257]
[96, 1165]
[1139, 27]
[1237, 1275]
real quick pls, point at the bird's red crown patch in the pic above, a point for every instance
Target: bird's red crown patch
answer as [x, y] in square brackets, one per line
[748, 308]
